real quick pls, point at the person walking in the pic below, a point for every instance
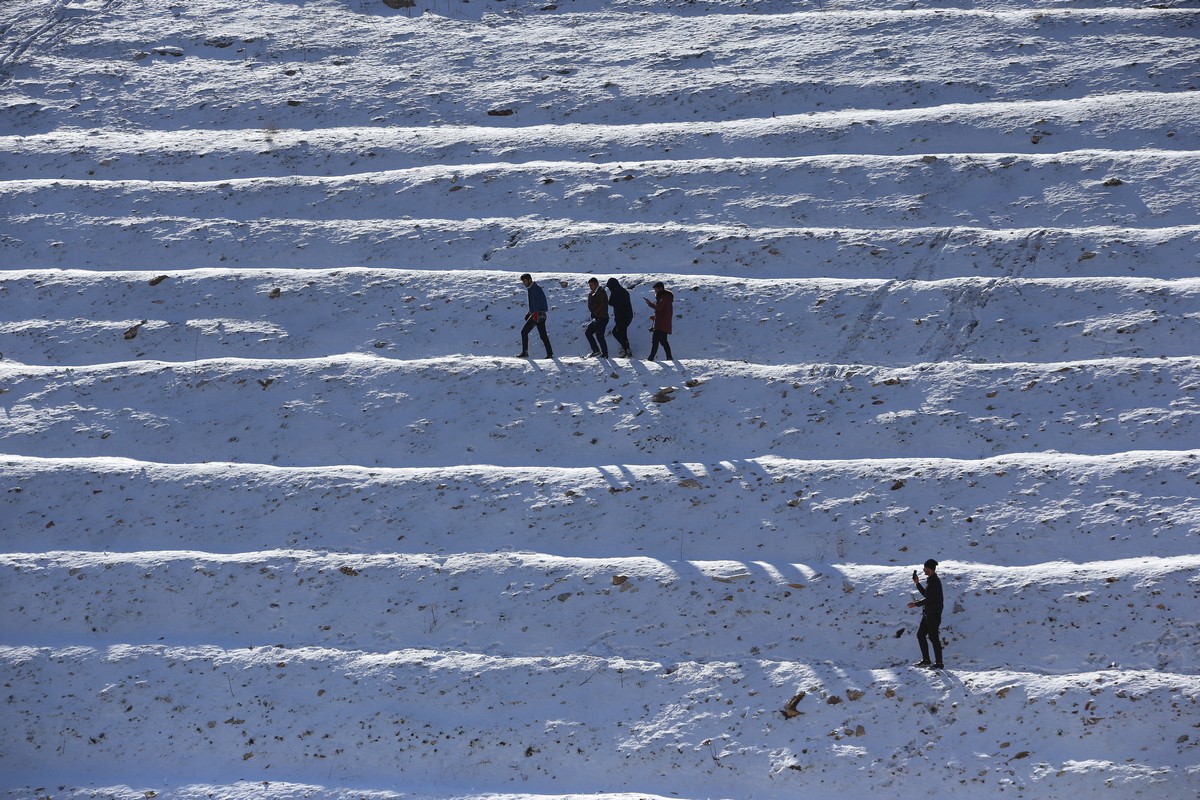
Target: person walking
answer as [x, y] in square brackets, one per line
[535, 318]
[598, 309]
[664, 310]
[622, 309]
[931, 615]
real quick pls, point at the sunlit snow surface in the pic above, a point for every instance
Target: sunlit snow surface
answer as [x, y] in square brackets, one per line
[285, 518]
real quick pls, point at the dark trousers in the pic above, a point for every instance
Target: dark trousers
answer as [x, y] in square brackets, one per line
[929, 629]
[595, 336]
[619, 332]
[660, 337]
[541, 327]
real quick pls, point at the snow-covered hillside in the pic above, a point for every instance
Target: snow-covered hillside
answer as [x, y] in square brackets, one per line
[284, 516]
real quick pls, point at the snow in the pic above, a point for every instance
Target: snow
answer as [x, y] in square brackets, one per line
[284, 517]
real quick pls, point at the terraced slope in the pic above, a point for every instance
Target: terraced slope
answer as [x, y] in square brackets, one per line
[285, 518]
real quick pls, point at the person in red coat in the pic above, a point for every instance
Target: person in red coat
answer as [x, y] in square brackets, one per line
[664, 311]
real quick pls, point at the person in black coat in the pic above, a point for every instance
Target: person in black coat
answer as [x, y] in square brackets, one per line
[931, 615]
[622, 308]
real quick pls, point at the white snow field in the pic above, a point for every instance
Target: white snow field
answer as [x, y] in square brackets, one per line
[285, 518]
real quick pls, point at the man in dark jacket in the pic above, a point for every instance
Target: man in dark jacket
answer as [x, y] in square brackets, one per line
[535, 318]
[598, 311]
[931, 615]
[664, 310]
[618, 298]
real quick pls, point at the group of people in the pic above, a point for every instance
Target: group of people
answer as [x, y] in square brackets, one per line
[598, 302]
[617, 297]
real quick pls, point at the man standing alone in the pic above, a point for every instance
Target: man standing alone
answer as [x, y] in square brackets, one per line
[931, 615]
[535, 318]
